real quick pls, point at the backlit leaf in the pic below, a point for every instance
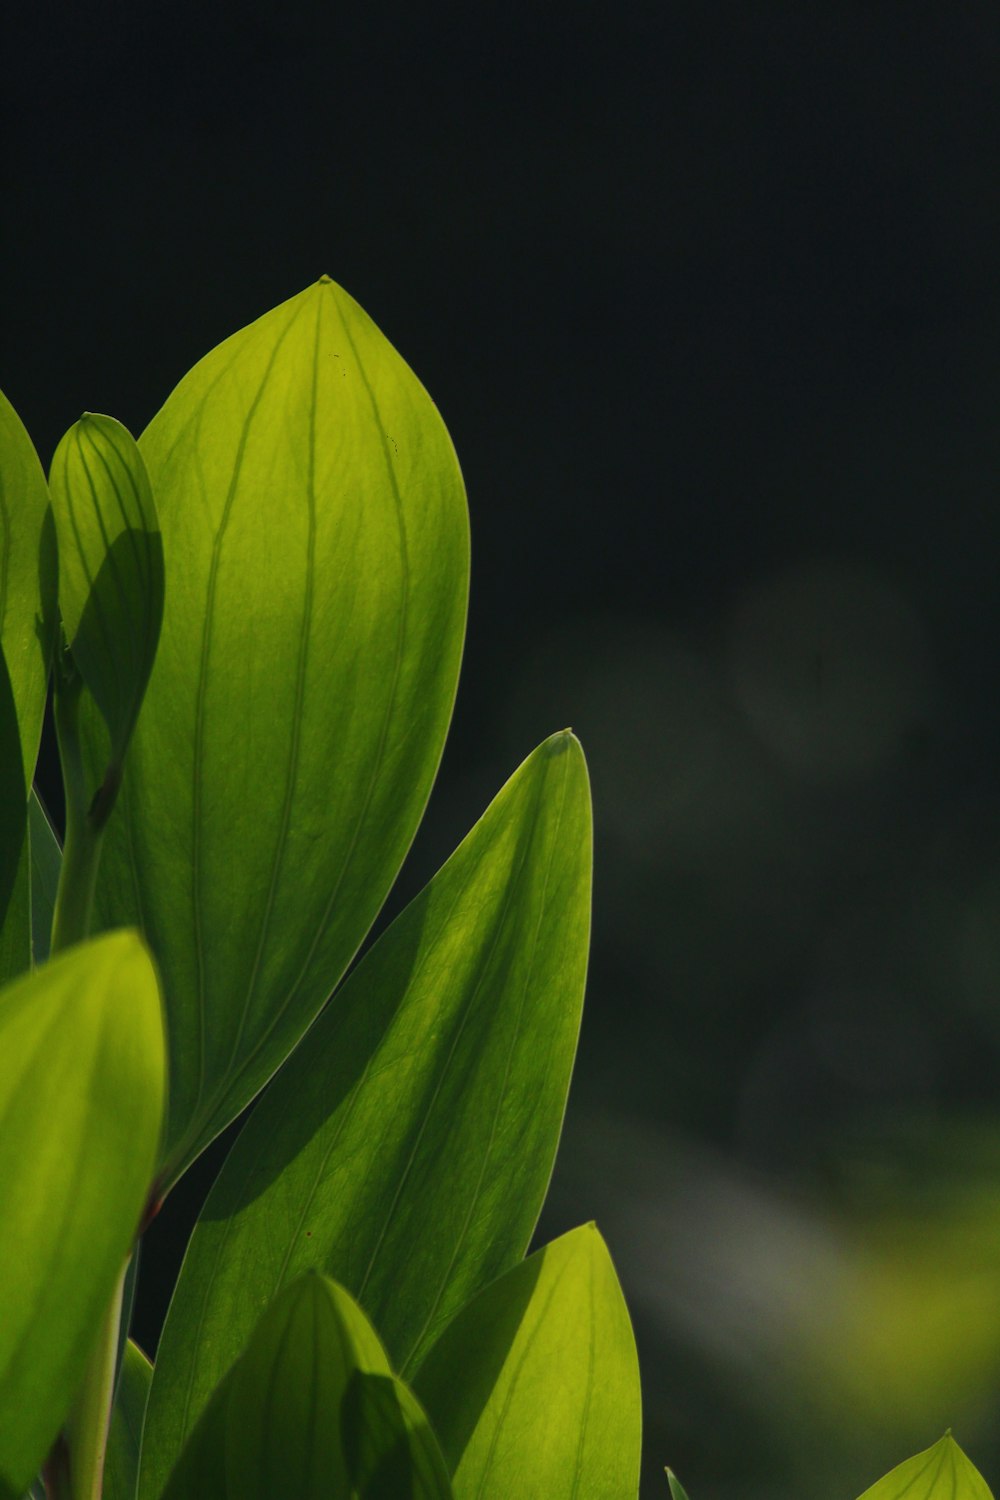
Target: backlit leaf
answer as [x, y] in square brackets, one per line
[406, 1147]
[81, 1105]
[533, 1389]
[27, 625]
[110, 567]
[315, 542]
[939, 1473]
[276, 1425]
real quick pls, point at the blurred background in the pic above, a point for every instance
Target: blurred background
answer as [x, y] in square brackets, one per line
[708, 296]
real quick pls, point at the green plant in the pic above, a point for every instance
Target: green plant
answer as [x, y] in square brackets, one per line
[254, 645]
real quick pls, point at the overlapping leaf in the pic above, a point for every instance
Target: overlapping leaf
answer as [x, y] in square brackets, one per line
[406, 1147]
[939, 1473]
[27, 621]
[81, 1106]
[297, 1416]
[46, 860]
[315, 544]
[533, 1388]
[110, 567]
[121, 1467]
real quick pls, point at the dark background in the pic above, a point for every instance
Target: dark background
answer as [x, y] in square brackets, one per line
[708, 296]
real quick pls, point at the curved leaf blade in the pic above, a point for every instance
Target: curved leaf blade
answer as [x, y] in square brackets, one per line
[677, 1490]
[110, 567]
[81, 1106]
[276, 1424]
[121, 1466]
[392, 1454]
[46, 862]
[27, 624]
[406, 1148]
[315, 542]
[533, 1389]
[941, 1472]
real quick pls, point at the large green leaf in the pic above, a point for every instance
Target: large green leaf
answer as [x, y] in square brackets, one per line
[121, 1466]
[315, 541]
[110, 567]
[533, 1389]
[939, 1473]
[406, 1147]
[81, 1106]
[27, 621]
[284, 1420]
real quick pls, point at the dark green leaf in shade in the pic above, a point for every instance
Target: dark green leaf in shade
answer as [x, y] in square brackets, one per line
[939, 1473]
[27, 632]
[315, 541]
[392, 1454]
[110, 567]
[406, 1148]
[275, 1425]
[121, 1465]
[46, 859]
[81, 1107]
[533, 1389]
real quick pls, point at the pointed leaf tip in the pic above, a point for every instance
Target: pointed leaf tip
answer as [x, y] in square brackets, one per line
[941, 1472]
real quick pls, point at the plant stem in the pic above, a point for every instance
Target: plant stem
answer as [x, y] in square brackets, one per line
[87, 1426]
[75, 1470]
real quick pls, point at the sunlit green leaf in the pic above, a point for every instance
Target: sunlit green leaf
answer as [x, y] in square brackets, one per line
[27, 621]
[110, 567]
[315, 543]
[939, 1473]
[276, 1424]
[46, 859]
[406, 1147]
[533, 1389]
[121, 1466]
[81, 1105]
[677, 1490]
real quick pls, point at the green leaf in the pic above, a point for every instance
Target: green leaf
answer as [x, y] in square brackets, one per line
[533, 1389]
[392, 1454]
[46, 860]
[315, 542]
[27, 626]
[275, 1425]
[406, 1148]
[110, 567]
[677, 1490]
[121, 1466]
[27, 581]
[81, 1105]
[939, 1473]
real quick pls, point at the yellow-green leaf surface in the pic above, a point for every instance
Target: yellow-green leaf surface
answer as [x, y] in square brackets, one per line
[121, 1465]
[110, 567]
[277, 1424]
[939, 1473]
[81, 1107]
[533, 1389]
[406, 1147]
[27, 620]
[315, 540]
